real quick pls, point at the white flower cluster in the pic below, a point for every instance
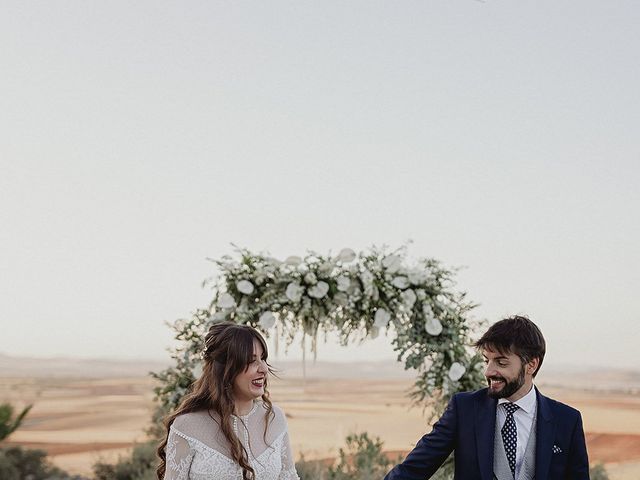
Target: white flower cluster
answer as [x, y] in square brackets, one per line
[370, 291]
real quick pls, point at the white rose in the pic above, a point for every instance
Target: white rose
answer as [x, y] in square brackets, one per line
[310, 278]
[341, 299]
[417, 277]
[370, 289]
[367, 278]
[225, 300]
[421, 294]
[445, 303]
[456, 370]
[267, 320]
[343, 283]
[218, 316]
[433, 326]
[392, 263]
[354, 290]
[293, 260]
[408, 298]
[326, 268]
[245, 286]
[319, 290]
[381, 318]
[294, 292]
[400, 282]
[346, 255]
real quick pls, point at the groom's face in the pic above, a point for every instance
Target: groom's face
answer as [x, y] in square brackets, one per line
[505, 373]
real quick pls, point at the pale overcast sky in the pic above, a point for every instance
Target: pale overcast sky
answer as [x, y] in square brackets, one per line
[139, 138]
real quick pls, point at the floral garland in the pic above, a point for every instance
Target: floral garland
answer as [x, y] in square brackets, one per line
[354, 295]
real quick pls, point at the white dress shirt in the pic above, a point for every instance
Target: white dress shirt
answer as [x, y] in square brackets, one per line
[524, 422]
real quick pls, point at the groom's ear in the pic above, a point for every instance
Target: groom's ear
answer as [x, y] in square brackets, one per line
[532, 365]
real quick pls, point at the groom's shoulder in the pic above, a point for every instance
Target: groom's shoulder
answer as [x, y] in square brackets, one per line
[557, 407]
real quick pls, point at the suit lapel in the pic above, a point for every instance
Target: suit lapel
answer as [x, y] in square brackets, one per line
[485, 427]
[545, 434]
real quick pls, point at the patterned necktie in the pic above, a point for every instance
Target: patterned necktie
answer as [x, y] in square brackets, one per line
[510, 436]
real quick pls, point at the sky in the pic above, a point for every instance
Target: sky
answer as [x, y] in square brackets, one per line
[138, 139]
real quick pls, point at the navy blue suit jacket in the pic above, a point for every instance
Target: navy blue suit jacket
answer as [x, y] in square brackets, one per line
[467, 427]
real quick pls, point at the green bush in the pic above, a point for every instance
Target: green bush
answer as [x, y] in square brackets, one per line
[362, 460]
[9, 423]
[598, 472]
[17, 463]
[8, 471]
[311, 469]
[140, 465]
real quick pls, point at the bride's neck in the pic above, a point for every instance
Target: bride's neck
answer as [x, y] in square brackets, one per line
[243, 407]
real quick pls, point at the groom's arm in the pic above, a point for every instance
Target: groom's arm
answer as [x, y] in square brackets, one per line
[578, 461]
[432, 449]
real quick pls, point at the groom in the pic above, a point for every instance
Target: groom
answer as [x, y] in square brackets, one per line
[506, 431]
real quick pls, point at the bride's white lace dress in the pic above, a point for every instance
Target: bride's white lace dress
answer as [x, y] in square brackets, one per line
[197, 450]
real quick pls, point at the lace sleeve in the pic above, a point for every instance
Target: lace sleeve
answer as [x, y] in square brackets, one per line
[288, 471]
[179, 456]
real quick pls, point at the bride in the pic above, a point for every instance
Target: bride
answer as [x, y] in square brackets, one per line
[227, 428]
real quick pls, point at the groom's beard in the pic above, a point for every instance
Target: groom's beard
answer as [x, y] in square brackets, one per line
[509, 387]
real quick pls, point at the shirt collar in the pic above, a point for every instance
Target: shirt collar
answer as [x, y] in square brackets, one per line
[526, 403]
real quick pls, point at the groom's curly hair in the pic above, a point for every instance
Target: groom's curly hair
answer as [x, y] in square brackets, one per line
[516, 334]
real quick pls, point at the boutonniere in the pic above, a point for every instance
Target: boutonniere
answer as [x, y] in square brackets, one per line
[556, 449]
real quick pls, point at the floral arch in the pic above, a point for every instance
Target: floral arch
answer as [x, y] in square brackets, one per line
[355, 295]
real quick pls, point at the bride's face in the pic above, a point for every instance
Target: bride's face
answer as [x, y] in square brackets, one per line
[250, 384]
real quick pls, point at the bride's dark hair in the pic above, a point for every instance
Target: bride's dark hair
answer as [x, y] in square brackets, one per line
[228, 352]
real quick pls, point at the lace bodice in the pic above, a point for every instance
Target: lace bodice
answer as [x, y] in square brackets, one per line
[197, 450]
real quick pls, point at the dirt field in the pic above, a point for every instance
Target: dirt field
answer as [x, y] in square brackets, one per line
[79, 421]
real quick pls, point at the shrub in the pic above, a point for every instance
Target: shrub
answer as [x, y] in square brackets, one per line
[9, 424]
[311, 469]
[17, 463]
[362, 460]
[140, 465]
[598, 472]
[8, 471]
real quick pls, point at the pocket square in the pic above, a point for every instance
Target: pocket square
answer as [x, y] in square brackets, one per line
[556, 449]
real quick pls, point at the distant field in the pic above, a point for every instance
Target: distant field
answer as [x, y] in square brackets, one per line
[80, 420]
